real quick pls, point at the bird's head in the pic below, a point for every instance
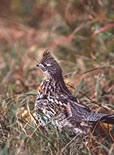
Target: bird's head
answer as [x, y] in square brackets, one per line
[49, 66]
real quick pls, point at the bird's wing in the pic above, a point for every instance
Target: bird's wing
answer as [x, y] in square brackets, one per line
[68, 110]
[78, 103]
[81, 105]
[76, 112]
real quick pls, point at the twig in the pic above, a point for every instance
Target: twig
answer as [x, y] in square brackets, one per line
[103, 29]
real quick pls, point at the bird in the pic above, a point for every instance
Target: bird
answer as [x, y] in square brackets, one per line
[56, 105]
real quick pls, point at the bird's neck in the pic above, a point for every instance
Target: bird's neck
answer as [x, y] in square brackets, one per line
[55, 86]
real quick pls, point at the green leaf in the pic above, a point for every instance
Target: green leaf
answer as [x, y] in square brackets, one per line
[98, 87]
[31, 93]
[79, 87]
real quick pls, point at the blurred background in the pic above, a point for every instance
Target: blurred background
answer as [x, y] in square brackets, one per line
[79, 33]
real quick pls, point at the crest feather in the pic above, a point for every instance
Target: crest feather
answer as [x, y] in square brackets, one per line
[46, 56]
[46, 53]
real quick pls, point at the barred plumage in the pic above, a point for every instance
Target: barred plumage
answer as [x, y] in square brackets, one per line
[56, 105]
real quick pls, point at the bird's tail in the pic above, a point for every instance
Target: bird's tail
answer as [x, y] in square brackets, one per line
[107, 119]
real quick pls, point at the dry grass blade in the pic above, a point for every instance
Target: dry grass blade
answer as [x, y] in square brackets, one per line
[65, 147]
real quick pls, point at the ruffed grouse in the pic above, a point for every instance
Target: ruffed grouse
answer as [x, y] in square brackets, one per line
[57, 106]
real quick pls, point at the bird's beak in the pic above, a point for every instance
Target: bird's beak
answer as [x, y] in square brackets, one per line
[40, 65]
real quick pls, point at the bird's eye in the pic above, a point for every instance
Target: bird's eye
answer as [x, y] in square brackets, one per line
[45, 65]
